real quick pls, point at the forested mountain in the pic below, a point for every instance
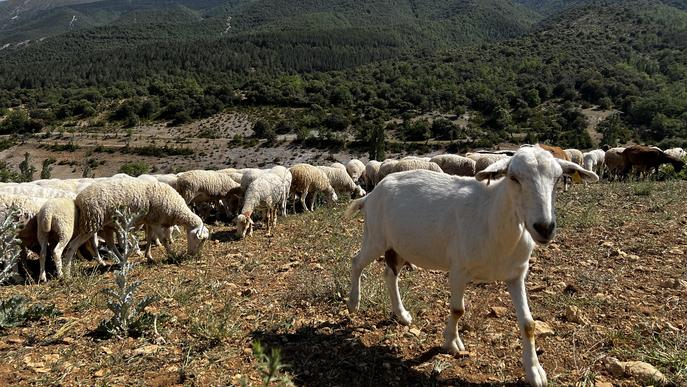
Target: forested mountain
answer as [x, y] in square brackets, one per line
[518, 68]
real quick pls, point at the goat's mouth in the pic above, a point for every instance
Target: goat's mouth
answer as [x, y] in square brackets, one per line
[539, 238]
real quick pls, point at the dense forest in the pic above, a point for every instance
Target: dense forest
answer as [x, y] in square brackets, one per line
[520, 71]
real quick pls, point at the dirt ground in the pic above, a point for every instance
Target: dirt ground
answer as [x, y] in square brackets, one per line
[619, 256]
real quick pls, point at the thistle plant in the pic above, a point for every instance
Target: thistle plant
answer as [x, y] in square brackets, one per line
[10, 246]
[129, 316]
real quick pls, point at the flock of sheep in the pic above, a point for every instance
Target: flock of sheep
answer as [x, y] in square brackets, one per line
[422, 211]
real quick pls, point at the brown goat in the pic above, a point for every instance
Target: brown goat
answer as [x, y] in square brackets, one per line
[644, 159]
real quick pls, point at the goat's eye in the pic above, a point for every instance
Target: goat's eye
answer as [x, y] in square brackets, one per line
[514, 179]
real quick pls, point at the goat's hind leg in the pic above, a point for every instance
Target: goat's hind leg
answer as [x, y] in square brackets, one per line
[366, 255]
[452, 341]
[394, 264]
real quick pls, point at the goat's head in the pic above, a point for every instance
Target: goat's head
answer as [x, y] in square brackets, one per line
[531, 175]
[196, 238]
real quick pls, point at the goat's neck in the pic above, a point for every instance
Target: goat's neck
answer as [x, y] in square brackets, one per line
[505, 225]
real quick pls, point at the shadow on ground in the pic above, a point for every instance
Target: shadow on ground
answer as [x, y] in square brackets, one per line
[329, 354]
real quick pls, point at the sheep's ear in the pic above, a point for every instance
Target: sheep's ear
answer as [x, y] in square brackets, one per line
[578, 173]
[494, 171]
[202, 232]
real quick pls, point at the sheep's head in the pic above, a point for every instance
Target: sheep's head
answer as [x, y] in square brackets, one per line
[196, 238]
[531, 176]
[331, 195]
[243, 224]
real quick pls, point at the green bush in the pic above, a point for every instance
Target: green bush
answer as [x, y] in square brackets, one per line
[134, 168]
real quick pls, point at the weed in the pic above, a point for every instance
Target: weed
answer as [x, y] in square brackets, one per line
[129, 316]
[215, 327]
[16, 311]
[643, 188]
[270, 365]
[10, 248]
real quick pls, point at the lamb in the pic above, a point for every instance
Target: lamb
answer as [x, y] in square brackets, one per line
[594, 161]
[306, 182]
[56, 217]
[370, 175]
[615, 164]
[342, 182]
[574, 155]
[265, 192]
[478, 232]
[455, 165]
[159, 206]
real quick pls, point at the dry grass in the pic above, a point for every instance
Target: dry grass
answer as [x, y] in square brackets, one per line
[614, 256]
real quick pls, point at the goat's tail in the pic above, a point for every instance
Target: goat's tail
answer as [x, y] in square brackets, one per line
[354, 207]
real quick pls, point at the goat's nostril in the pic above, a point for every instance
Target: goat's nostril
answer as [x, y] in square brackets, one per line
[545, 229]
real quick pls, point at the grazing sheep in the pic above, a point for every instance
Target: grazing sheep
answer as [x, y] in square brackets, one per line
[159, 206]
[384, 169]
[574, 155]
[57, 217]
[594, 161]
[36, 191]
[615, 163]
[483, 160]
[455, 165]
[307, 181]
[265, 192]
[678, 153]
[355, 169]
[338, 165]
[370, 175]
[478, 232]
[249, 176]
[203, 186]
[342, 182]
[645, 159]
[407, 164]
[286, 179]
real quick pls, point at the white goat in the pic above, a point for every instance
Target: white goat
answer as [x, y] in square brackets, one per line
[478, 232]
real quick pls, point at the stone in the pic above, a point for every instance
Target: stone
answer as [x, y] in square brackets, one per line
[498, 311]
[542, 329]
[574, 314]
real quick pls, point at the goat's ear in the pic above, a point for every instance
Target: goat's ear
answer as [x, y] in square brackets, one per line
[577, 172]
[494, 171]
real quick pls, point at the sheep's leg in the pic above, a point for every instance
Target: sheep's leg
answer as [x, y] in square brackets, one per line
[534, 373]
[71, 250]
[313, 198]
[394, 264]
[57, 255]
[452, 341]
[303, 196]
[364, 258]
[268, 220]
[43, 241]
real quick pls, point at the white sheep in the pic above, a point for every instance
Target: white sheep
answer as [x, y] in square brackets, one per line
[478, 232]
[370, 175]
[338, 165]
[384, 169]
[307, 181]
[159, 206]
[678, 153]
[265, 192]
[36, 191]
[455, 165]
[355, 169]
[407, 164]
[57, 217]
[200, 186]
[594, 161]
[575, 155]
[483, 160]
[342, 182]
[286, 178]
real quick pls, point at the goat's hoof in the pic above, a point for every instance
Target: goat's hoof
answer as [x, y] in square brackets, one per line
[536, 376]
[454, 346]
[353, 306]
[404, 318]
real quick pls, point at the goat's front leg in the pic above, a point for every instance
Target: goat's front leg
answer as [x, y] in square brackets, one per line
[534, 373]
[458, 282]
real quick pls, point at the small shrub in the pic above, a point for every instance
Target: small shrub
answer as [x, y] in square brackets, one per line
[16, 311]
[269, 365]
[134, 168]
[10, 246]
